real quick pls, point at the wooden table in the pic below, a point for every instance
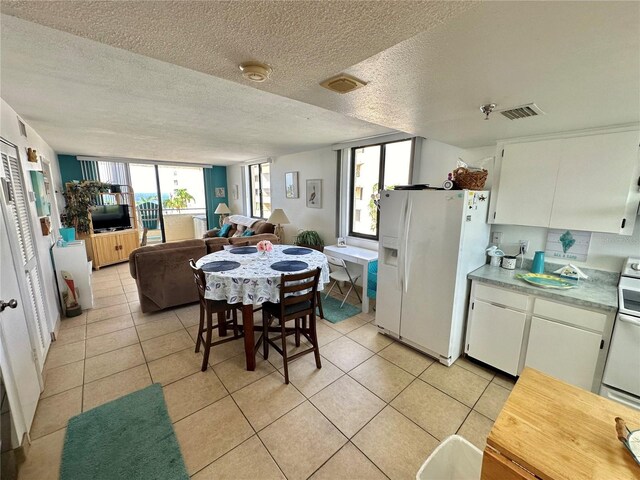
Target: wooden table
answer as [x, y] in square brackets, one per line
[554, 430]
[361, 256]
[254, 282]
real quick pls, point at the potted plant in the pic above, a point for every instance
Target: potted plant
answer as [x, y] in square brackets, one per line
[310, 239]
[80, 197]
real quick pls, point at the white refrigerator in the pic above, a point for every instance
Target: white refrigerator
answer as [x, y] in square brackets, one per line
[429, 240]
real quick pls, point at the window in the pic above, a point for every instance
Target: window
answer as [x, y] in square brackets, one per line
[374, 168]
[260, 189]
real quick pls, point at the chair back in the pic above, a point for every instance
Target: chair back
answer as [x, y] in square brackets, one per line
[336, 262]
[299, 288]
[199, 278]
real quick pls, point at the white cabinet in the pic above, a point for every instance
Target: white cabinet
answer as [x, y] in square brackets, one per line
[568, 353]
[586, 182]
[510, 330]
[494, 335]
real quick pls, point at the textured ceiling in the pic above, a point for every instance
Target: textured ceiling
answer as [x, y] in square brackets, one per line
[429, 65]
[87, 98]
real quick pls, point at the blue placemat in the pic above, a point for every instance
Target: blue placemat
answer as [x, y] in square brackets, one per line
[243, 250]
[297, 251]
[289, 265]
[220, 266]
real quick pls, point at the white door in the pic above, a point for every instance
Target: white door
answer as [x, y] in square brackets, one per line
[501, 351]
[527, 183]
[430, 266]
[19, 369]
[390, 247]
[605, 166]
[565, 352]
[15, 211]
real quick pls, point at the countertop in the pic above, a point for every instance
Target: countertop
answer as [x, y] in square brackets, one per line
[558, 431]
[601, 294]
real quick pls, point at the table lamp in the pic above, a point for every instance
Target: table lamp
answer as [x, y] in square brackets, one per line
[279, 218]
[223, 211]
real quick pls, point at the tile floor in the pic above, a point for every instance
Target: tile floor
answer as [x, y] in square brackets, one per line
[375, 410]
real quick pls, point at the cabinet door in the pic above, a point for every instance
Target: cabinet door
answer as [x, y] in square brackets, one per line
[527, 183]
[565, 352]
[594, 182]
[494, 336]
[128, 243]
[105, 249]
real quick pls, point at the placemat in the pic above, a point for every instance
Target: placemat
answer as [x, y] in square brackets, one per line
[297, 251]
[220, 266]
[289, 266]
[243, 250]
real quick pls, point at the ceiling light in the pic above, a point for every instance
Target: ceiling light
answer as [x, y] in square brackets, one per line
[256, 72]
[343, 84]
[487, 109]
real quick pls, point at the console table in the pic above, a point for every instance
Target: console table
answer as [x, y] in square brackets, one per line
[361, 256]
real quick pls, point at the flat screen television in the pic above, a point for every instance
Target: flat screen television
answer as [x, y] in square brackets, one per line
[110, 217]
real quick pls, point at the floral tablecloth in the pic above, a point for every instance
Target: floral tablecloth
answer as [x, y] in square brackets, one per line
[254, 281]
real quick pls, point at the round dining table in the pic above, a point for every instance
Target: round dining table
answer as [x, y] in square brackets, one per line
[244, 275]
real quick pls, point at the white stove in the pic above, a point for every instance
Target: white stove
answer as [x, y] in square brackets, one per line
[621, 380]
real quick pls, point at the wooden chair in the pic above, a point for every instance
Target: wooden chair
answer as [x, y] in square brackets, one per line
[298, 301]
[207, 309]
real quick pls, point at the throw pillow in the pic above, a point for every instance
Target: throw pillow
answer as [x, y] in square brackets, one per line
[224, 231]
[247, 233]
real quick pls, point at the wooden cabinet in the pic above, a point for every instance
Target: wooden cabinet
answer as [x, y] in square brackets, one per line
[114, 247]
[510, 330]
[584, 182]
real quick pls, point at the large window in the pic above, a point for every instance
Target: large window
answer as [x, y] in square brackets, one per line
[374, 168]
[260, 188]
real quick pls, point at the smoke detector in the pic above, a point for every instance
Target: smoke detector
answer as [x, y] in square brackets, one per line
[343, 84]
[256, 72]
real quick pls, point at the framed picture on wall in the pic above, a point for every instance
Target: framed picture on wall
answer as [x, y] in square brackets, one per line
[291, 184]
[314, 193]
[219, 192]
[236, 193]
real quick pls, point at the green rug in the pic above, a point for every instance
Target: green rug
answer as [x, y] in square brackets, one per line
[128, 438]
[332, 311]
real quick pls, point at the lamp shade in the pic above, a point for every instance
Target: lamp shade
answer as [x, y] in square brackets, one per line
[278, 217]
[222, 209]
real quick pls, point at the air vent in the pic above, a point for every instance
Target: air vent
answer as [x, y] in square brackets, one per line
[523, 111]
[343, 84]
[22, 128]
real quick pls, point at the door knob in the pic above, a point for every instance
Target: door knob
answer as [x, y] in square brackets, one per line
[13, 303]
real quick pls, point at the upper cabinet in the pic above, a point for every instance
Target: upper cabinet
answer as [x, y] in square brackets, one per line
[587, 182]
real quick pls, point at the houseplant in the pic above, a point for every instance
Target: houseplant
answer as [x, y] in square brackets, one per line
[310, 239]
[80, 197]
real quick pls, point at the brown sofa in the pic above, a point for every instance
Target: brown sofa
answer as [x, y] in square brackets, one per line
[259, 228]
[162, 271]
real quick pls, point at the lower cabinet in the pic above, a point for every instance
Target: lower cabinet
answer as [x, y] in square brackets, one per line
[115, 247]
[568, 353]
[510, 330]
[495, 335]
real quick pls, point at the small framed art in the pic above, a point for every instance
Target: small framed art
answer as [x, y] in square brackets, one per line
[314, 193]
[291, 184]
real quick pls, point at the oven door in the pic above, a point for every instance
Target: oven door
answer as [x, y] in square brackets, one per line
[622, 370]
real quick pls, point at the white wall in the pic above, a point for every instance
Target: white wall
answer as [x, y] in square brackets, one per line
[315, 164]
[9, 130]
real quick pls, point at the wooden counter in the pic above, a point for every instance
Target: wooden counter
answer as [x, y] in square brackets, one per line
[553, 430]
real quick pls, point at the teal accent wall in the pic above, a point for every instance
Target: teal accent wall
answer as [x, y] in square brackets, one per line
[69, 169]
[215, 177]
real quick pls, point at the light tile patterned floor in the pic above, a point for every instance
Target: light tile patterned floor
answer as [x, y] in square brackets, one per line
[346, 420]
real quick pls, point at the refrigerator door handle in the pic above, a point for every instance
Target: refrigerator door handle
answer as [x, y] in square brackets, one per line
[401, 248]
[405, 269]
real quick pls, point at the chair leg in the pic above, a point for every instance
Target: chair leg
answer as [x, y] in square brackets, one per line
[319, 301]
[314, 337]
[207, 344]
[234, 320]
[330, 288]
[265, 334]
[353, 286]
[298, 323]
[200, 328]
[285, 360]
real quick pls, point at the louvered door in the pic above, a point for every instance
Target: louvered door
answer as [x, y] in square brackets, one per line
[23, 247]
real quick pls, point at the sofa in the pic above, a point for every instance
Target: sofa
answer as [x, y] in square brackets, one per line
[162, 272]
[259, 228]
